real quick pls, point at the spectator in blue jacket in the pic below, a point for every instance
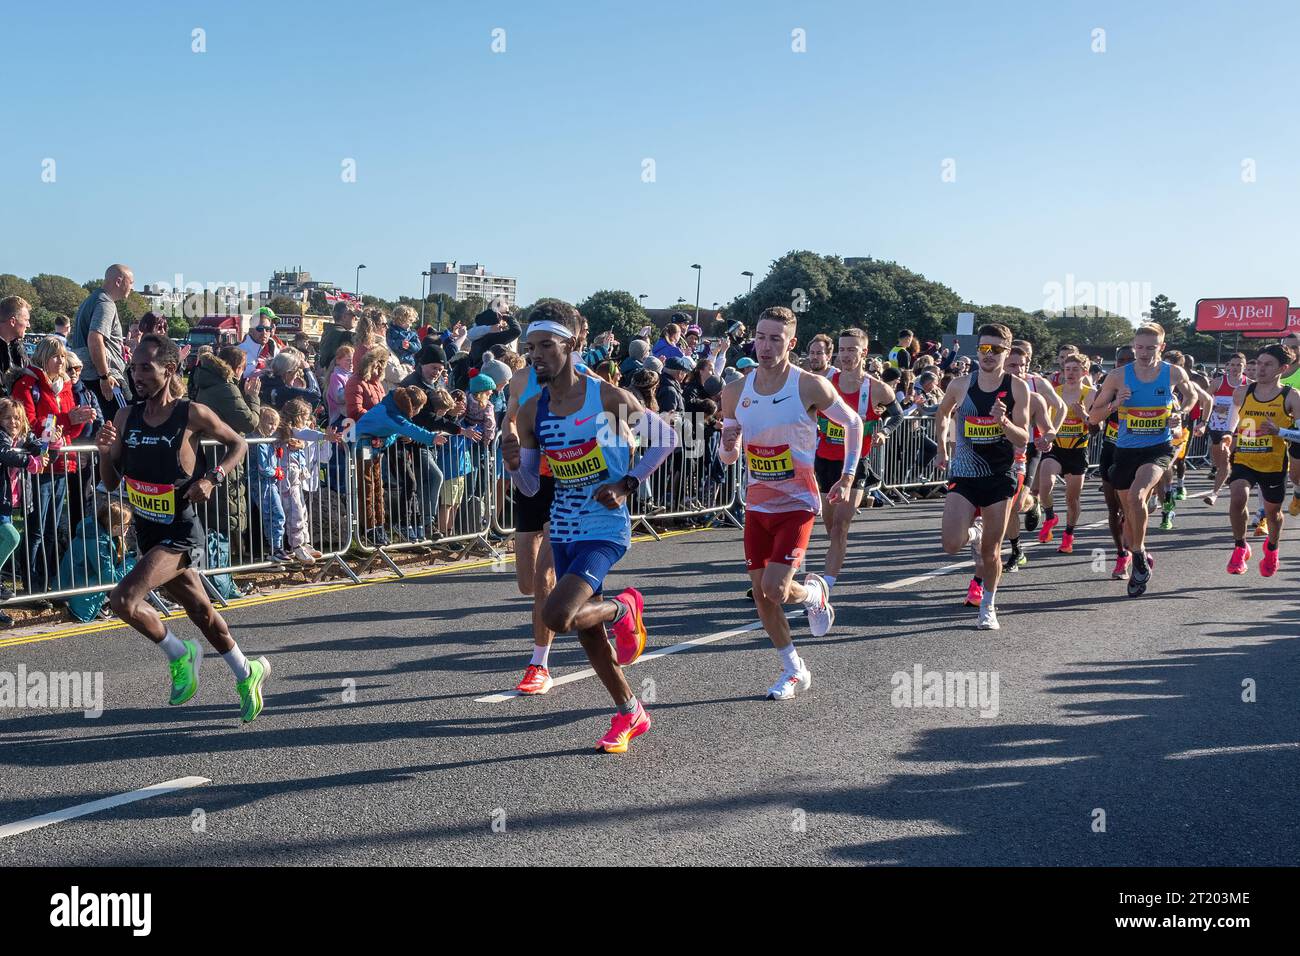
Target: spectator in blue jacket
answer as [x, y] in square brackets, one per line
[667, 347]
[403, 341]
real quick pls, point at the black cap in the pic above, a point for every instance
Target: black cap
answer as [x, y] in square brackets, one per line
[431, 352]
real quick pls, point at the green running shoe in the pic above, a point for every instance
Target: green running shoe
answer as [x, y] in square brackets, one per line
[250, 690]
[1180, 494]
[1167, 522]
[185, 674]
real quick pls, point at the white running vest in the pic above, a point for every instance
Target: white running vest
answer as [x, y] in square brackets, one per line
[780, 446]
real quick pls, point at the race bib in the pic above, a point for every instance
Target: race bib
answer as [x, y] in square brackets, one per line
[1147, 420]
[1112, 431]
[1072, 428]
[578, 465]
[770, 462]
[981, 429]
[150, 501]
[834, 433]
[1220, 412]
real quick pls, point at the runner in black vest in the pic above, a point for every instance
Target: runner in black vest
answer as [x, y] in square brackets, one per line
[153, 448]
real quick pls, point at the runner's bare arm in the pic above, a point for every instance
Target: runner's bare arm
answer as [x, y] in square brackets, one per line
[817, 392]
[729, 446]
[518, 382]
[1016, 425]
[109, 445]
[881, 395]
[943, 417]
[207, 424]
[658, 441]
[1056, 407]
[1104, 400]
[1292, 407]
[519, 451]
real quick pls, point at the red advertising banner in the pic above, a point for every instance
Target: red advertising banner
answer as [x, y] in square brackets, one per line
[1292, 325]
[1266, 315]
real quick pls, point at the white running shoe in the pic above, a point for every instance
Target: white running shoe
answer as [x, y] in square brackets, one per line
[820, 613]
[988, 620]
[784, 689]
[1211, 498]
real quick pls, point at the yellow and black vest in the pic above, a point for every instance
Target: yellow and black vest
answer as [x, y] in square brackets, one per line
[1252, 448]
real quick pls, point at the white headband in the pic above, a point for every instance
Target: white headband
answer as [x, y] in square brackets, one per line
[546, 325]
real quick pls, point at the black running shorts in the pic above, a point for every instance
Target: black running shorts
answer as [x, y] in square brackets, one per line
[1107, 459]
[988, 491]
[532, 513]
[1127, 461]
[829, 471]
[1272, 485]
[182, 536]
[1073, 461]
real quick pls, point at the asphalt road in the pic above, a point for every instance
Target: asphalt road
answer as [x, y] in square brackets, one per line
[1127, 711]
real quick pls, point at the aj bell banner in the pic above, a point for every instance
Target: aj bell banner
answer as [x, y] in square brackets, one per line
[1267, 316]
[1292, 325]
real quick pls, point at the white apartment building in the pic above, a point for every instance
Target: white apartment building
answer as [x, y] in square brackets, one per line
[462, 282]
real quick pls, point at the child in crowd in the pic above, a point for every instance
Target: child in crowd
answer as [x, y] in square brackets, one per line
[20, 455]
[297, 468]
[383, 424]
[402, 341]
[453, 458]
[97, 555]
[336, 388]
[264, 482]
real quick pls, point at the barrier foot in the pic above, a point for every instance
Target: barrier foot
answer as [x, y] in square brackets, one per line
[732, 518]
[212, 591]
[380, 556]
[645, 523]
[488, 546]
[342, 565]
[159, 604]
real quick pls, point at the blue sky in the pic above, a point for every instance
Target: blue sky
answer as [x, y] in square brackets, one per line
[1115, 167]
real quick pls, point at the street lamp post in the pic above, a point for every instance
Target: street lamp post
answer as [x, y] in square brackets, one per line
[699, 273]
[751, 280]
[423, 295]
[357, 290]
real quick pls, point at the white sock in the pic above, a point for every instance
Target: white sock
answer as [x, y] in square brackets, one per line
[829, 579]
[173, 646]
[541, 653]
[238, 663]
[986, 602]
[971, 534]
[790, 658]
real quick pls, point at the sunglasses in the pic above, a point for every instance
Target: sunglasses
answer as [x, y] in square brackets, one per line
[262, 328]
[986, 348]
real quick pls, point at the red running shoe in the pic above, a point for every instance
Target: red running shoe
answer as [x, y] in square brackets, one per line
[622, 729]
[1067, 544]
[537, 680]
[1045, 532]
[1121, 567]
[629, 633]
[1237, 563]
[974, 594]
[1268, 563]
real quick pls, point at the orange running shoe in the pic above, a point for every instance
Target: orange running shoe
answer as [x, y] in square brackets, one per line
[629, 633]
[1268, 563]
[1237, 563]
[1045, 532]
[974, 594]
[1261, 529]
[1067, 544]
[622, 729]
[537, 680]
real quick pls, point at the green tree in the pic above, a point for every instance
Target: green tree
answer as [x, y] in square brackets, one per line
[59, 293]
[132, 309]
[178, 328]
[1090, 327]
[1031, 326]
[613, 311]
[283, 305]
[42, 320]
[12, 285]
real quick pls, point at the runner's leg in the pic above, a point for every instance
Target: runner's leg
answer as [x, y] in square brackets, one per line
[839, 520]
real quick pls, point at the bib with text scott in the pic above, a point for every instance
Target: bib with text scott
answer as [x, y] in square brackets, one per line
[152, 501]
[1147, 419]
[981, 429]
[770, 462]
[578, 465]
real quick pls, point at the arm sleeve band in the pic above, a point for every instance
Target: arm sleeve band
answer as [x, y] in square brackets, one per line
[841, 414]
[1290, 434]
[529, 476]
[892, 418]
[659, 439]
[726, 455]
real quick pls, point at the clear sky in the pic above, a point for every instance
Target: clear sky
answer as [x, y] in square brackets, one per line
[1117, 167]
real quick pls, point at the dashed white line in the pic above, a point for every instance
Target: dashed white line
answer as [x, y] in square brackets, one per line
[107, 803]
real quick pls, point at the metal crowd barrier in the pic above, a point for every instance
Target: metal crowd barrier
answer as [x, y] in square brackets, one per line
[905, 460]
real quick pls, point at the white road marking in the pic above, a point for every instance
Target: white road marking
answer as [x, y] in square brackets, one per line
[1221, 751]
[661, 652]
[107, 803]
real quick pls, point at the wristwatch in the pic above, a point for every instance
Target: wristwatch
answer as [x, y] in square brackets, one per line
[631, 483]
[217, 475]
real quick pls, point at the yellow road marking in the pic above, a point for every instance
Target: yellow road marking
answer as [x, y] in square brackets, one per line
[295, 595]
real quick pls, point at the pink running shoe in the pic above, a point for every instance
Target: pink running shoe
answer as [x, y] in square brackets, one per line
[1045, 532]
[1121, 567]
[974, 594]
[1268, 563]
[622, 729]
[1237, 563]
[629, 633]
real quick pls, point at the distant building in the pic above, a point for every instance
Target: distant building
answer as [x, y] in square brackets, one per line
[469, 281]
[296, 285]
